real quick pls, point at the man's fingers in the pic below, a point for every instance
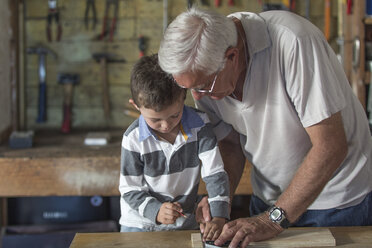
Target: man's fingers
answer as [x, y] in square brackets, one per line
[240, 236]
[202, 227]
[206, 213]
[228, 233]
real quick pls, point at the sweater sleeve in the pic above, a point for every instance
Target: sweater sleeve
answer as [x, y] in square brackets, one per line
[213, 173]
[133, 187]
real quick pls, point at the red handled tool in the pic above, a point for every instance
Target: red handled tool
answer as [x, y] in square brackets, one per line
[141, 45]
[115, 4]
[68, 81]
[53, 13]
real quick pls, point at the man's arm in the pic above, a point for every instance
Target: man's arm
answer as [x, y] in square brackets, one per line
[233, 159]
[329, 149]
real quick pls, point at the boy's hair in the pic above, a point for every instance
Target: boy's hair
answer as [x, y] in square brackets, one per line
[153, 88]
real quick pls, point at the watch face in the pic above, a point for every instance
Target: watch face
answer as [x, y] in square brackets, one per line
[276, 214]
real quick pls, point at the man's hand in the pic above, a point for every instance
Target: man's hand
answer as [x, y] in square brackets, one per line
[213, 228]
[169, 212]
[202, 213]
[246, 230]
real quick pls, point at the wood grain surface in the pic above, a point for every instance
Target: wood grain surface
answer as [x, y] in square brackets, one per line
[350, 237]
[295, 237]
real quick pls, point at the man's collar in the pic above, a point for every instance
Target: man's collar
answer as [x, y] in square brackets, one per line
[256, 31]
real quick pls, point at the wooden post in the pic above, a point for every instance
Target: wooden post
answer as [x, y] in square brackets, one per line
[358, 53]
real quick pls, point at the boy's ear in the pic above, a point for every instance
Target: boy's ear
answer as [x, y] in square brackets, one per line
[134, 105]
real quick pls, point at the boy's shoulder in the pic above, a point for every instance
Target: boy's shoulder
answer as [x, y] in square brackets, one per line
[132, 127]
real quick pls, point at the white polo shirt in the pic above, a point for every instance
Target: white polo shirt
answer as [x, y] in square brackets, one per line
[293, 81]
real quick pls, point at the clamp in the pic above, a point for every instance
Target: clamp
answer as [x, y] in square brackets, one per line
[53, 13]
[104, 32]
[90, 5]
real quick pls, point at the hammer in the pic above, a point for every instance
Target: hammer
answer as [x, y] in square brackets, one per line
[68, 81]
[103, 59]
[42, 52]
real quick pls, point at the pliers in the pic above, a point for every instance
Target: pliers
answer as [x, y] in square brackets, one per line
[90, 5]
[53, 12]
[104, 32]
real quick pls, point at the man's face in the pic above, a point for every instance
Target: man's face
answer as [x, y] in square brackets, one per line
[217, 85]
[164, 121]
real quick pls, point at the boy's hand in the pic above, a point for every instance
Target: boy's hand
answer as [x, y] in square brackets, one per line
[169, 212]
[213, 228]
[202, 213]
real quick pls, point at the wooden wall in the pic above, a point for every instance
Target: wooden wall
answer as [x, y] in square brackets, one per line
[74, 52]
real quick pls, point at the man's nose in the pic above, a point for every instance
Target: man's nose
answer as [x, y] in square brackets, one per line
[197, 95]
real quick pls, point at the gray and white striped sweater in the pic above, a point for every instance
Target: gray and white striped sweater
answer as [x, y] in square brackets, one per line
[154, 171]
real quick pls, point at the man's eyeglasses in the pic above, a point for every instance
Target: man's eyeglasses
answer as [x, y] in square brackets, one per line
[201, 90]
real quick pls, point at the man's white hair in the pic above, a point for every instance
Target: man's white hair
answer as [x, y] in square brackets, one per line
[196, 41]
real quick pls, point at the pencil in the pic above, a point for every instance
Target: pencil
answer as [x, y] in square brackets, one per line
[184, 216]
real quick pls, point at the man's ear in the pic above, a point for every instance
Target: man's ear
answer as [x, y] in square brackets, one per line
[231, 53]
[133, 104]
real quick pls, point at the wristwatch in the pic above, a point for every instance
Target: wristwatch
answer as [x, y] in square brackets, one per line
[277, 215]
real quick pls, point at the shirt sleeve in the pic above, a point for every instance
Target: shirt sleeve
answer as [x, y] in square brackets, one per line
[313, 82]
[213, 173]
[133, 187]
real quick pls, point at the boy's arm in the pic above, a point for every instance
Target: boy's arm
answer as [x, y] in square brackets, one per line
[133, 188]
[213, 173]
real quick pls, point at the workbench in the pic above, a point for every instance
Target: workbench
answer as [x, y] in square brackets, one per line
[61, 165]
[356, 237]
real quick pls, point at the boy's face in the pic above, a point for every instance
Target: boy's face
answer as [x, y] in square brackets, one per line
[164, 121]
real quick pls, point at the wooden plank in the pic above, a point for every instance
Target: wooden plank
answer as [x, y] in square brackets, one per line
[292, 237]
[356, 237]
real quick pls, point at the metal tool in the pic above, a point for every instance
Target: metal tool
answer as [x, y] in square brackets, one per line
[42, 52]
[115, 4]
[103, 59]
[141, 45]
[53, 13]
[369, 103]
[68, 81]
[90, 5]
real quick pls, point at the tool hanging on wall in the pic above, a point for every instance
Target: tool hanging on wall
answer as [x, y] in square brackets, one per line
[104, 59]
[165, 15]
[141, 45]
[53, 13]
[111, 29]
[42, 103]
[327, 19]
[349, 7]
[68, 81]
[90, 5]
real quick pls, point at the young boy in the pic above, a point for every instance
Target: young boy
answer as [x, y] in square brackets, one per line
[163, 153]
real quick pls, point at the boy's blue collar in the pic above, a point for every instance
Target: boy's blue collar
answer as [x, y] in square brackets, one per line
[189, 120]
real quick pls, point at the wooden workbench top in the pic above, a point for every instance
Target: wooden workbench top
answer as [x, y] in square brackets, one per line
[61, 165]
[356, 237]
